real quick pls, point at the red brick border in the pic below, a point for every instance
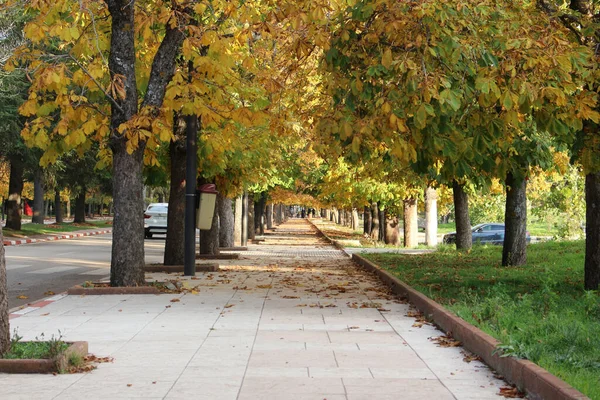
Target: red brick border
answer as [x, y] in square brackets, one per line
[55, 237]
[527, 376]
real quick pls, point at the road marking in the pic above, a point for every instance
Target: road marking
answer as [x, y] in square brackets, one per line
[53, 270]
[10, 267]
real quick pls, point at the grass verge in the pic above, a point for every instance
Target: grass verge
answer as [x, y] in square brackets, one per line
[538, 311]
[28, 230]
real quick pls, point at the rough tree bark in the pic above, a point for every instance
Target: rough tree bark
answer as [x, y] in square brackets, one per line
[411, 224]
[245, 219]
[4, 325]
[209, 240]
[464, 239]
[431, 222]
[270, 216]
[58, 209]
[237, 222]
[259, 213]
[367, 220]
[251, 227]
[127, 259]
[175, 243]
[392, 231]
[592, 232]
[514, 250]
[374, 221]
[382, 224]
[80, 208]
[226, 221]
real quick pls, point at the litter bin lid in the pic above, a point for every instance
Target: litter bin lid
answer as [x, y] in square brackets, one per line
[208, 188]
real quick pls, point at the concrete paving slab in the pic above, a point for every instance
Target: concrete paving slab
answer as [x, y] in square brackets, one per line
[292, 319]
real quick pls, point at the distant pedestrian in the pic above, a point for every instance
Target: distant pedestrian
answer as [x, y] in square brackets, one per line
[303, 213]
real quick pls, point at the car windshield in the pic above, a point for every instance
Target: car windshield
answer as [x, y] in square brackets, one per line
[158, 208]
[473, 229]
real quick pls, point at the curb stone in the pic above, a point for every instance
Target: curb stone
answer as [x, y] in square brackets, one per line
[22, 310]
[527, 376]
[55, 237]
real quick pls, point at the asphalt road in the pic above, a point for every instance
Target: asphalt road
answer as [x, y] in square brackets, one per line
[37, 270]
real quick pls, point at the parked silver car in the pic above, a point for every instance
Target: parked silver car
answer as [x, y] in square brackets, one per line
[155, 219]
[489, 233]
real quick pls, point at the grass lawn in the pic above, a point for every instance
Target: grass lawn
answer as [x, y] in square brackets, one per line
[538, 311]
[38, 229]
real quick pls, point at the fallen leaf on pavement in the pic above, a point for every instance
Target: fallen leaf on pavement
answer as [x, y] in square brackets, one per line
[229, 305]
[22, 297]
[49, 293]
[175, 300]
[510, 392]
[445, 341]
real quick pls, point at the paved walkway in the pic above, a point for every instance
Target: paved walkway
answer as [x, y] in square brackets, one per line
[292, 319]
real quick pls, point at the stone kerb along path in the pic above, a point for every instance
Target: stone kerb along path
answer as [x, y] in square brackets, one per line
[292, 318]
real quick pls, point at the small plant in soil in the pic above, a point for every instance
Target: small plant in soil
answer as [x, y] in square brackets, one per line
[38, 349]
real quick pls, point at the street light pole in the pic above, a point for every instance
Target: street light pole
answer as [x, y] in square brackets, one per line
[191, 131]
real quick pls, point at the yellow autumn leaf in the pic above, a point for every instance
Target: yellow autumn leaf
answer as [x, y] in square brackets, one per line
[386, 59]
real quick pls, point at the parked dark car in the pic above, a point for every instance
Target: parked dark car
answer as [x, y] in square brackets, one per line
[489, 233]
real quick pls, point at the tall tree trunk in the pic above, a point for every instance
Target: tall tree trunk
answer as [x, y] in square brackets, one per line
[69, 207]
[382, 224]
[431, 224]
[58, 206]
[209, 240]
[38, 197]
[392, 231]
[245, 219]
[175, 242]
[251, 227]
[514, 250]
[80, 208]
[237, 222]
[226, 221]
[592, 231]
[367, 220]
[355, 220]
[127, 260]
[259, 213]
[411, 223]
[15, 189]
[4, 324]
[270, 216]
[328, 214]
[46, 208]
[464, 238]
[374, 221]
